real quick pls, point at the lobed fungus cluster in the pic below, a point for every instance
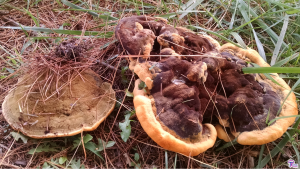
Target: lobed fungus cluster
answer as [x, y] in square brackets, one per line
[196, 89]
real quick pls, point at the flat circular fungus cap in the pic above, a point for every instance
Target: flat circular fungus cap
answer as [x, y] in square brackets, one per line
[68, 105]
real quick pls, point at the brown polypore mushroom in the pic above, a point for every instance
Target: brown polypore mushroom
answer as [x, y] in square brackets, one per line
[143, 35]
[206, 85]
[255, 131]
[65, 109]
[58, 96]
[174, 127]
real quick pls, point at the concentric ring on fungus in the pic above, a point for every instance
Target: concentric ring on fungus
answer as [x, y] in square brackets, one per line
[194, 81]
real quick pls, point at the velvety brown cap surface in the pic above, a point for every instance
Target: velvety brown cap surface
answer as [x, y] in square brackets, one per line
[195, 81]
[276, 130]
[145, 110]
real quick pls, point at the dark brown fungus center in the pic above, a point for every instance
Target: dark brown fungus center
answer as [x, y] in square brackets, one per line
[183, 102]
[176, 98]
[202, 86]
[141, 35]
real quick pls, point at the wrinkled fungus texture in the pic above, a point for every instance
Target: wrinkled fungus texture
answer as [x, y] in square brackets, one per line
[156, 32]
[191, 82]
[182, 102]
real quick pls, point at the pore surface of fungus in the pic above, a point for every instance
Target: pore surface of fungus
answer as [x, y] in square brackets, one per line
[52, 106]
[192, 80]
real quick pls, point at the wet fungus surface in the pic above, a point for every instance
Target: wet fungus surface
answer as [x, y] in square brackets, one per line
[192, 81]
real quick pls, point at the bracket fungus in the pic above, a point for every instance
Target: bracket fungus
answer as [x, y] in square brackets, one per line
[193, 81]
[264, 102]
[57, 101]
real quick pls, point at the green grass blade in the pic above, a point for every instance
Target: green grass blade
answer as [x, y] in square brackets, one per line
[28, 3]
[297, 153]
[105, 17]
[175, 161]
[250, 21]
[107, 44]
[286, 60]
[171, 15]
[271, 70]
[233, 15]
[281, 117]
[280, 40]
[60, 31]
[259, 45]
[268, 75]
[239, 39]
[35, 20]
[166, 159]
[212, 16]
[262, 148]
[229, 144]
[289, 7]
[292, 89]
[261, 23]
[193, 5]
[95, 12]
[137, 9]
[216, 34]
[69, 4]
[26, 45]
[273, 25]
[280, 146]
[272, 79]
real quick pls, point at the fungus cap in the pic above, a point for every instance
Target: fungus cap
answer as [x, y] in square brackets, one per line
[65, 109]
[206, 84]
[162, 135]
[289, 107]
[222, 134]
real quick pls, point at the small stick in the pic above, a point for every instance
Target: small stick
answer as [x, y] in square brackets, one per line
[222, 84]
[30, 114]
[75, 103]
[108, 66]
[46, 113]
[251, 116]
[129, 56]
[161, 87]
[179, 45]
[34, 106]
[34, 123]
[48, 124]
[162, 110]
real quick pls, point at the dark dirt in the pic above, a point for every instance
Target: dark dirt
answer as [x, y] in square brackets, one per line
[69, 49]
